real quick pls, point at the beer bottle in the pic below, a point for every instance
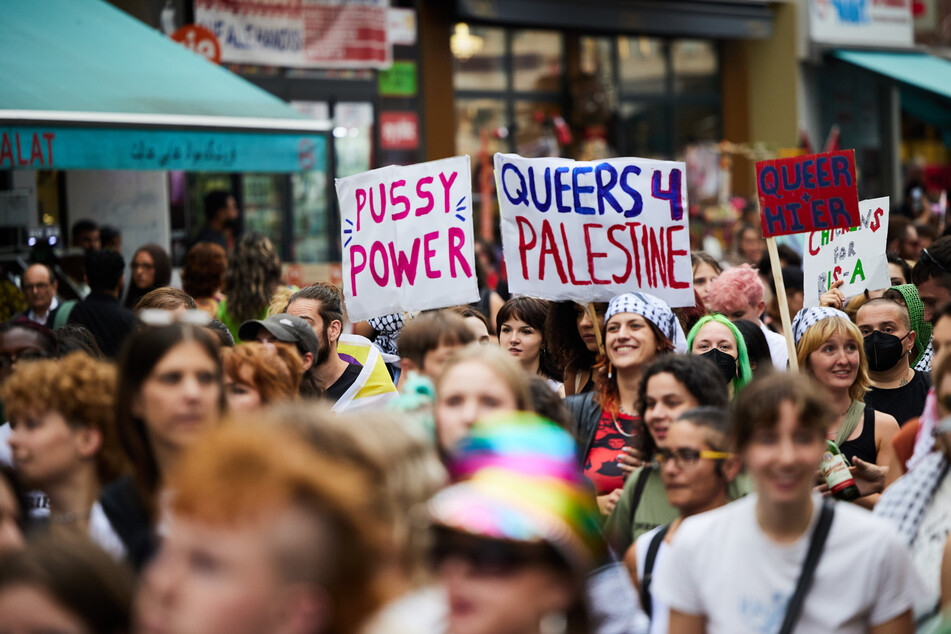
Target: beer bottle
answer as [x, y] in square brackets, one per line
[835, 470]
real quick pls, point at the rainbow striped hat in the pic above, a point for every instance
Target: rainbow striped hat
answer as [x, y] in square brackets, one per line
[522, 483]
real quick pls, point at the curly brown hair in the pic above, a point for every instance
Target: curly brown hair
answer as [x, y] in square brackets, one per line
[81, 389]
[254, 271]
[275, 374]
[203, 273]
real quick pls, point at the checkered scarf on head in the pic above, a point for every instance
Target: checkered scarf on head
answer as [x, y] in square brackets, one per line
[808, 317]
[388, 328]
[654, 310]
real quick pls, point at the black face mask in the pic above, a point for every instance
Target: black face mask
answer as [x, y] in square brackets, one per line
[724, 362]
[883, 350]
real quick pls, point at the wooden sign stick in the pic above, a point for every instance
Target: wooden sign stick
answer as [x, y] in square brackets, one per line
[783, 302]
[597, 327]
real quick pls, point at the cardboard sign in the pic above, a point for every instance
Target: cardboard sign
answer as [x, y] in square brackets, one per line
[407, 238]
[808, 193]
[587, 231]
[855, 255]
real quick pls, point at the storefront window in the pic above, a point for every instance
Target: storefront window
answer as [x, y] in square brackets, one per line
[311, 239]
[481, 125]
[478, 58]
[536, 61]
[695, 66]
[263, 198]
[643, 65]
[643, 130]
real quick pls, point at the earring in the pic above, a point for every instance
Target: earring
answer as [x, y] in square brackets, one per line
[610, 369]
[553, 623]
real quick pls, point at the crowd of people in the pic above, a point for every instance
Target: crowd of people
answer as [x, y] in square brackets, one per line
[235, 456]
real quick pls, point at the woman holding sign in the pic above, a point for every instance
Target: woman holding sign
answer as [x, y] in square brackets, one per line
[830, 348]
[638, 328]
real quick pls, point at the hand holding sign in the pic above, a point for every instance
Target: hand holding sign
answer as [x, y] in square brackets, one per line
[407, 238]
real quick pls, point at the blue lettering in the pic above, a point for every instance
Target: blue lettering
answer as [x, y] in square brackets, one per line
[808, 175]
[793, 209]
[559, 188]
[822, 172]
[638, 204]
[604, 189]
[840, 171]
[769, 180]
[671, 194]
[581, 189]
[531, 183]
[775, 220]
[818, 206]
[837, 210]
[796, 169]
[521, 196]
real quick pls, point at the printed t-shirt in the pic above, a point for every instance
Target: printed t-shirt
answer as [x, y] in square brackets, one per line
[601, 463]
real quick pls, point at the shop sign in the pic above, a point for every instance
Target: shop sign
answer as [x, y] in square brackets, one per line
[312, 34]
[399, 80]
[399, 130]
[879, 23]
[856, 255]
[198, 39]
[407, 238]
[587, 231]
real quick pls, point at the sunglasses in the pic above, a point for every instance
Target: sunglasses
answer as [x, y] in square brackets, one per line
[927, 257]
[490, 557]
[686, 457]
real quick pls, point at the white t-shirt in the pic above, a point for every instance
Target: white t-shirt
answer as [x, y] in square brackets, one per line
[660, 613]
[721, 565]
[777, 347]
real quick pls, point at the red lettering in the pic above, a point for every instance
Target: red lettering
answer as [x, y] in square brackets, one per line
[457, 238]
[647, 261]
[571, 264]
[592, 255]
[876, 220]
[20, 159]
[429, 252]
[402, 266]
[671, 252]
[36, 150]
[836, 273]
[380, 278]
[361, 196]
[399, 200]
[620, 279]
[637, 255]
[447, 185]
[422, 193]
[550, 247]
[813, 250]
[48, 137]
[356, 268]
[657, 260]
[523, 246]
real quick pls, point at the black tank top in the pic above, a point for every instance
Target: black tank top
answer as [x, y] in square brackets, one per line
[864, 445]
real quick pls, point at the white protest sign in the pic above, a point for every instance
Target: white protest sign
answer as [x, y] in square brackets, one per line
[855, 255]
[407, 238]
[587, 231]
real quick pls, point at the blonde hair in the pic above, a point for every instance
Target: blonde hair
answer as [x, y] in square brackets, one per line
[499, 362]
[819, 333]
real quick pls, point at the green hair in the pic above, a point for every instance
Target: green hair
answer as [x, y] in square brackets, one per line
[742, 357]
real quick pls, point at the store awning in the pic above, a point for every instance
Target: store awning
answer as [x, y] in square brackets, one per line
[86, 86]
[919, 70]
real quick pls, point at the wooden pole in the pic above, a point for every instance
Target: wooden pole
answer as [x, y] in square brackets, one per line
[783, 302]
[597, 326]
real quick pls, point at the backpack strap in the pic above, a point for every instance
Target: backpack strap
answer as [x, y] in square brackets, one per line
[652, 548]
[816, 544]
[639, 485]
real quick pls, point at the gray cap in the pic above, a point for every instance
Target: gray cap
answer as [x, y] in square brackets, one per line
[284, 327]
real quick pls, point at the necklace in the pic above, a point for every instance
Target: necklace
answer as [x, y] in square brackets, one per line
[69, 518]
[618, 427]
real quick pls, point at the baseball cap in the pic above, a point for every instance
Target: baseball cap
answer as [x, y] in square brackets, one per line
[284, 327]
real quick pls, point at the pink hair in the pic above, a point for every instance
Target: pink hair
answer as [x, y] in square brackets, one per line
[735, 289]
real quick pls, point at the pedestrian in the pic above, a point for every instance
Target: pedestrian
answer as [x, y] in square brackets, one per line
[254, 272]
[203, 275]
[715, 338]
[257, 375]
[830, 349]
[576, 353]
[151, 268]
[170, 392]
[735, 569]
[757, 348]
[521, 327]
[63, 441]
[638, 328]
[108, 320]
[705, 270]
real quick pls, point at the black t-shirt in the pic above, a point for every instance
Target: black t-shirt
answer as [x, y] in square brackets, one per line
[341, 385]
[905, 402]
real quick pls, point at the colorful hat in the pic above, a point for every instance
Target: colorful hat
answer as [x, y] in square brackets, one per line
[651, 308]
[807, 317]
[522, 483]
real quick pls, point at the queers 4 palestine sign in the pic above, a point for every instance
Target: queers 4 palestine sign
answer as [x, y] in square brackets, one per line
[587, 231]
[407, 238]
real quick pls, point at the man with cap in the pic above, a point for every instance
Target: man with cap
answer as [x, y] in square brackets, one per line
[289, 329]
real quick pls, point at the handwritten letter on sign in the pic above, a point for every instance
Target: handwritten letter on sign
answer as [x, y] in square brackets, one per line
[587, 231]
[855, 255]
[808, 193]
[407, 238]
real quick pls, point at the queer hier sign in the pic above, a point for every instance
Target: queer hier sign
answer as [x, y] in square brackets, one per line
[856, 255]
[407, 238]
[587, 231]
[808, 193]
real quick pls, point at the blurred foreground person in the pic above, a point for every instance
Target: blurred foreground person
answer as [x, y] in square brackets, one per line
[170, 391]
[734, 569]
[12, 510]
[63, 586]
[264, 535]
[515, 541]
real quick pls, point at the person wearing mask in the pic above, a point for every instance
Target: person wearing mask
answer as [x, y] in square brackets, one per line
[738, 294]
[896, 387]
[611, 436]
[151, 269]
[714, 337]
[697, 468]
[39, 286]
[863, 580]
[109, 321]
[170, 392]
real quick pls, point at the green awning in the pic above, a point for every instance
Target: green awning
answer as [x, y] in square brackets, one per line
[919, 70]
[85, 83]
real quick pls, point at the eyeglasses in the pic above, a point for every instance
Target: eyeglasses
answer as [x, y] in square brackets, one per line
[686, 457]
[490, 557]
[7, 360]
[927, 257]
[158, 317]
